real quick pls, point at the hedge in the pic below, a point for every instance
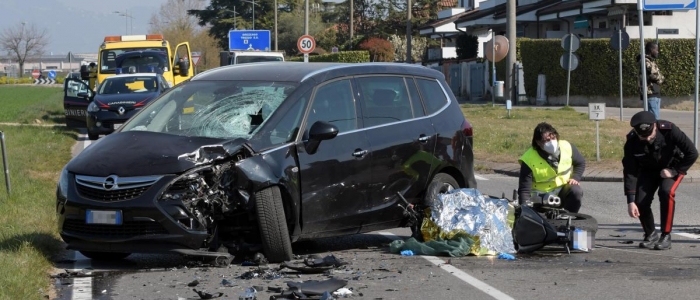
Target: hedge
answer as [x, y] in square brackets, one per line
[598, 70]
[343, 56]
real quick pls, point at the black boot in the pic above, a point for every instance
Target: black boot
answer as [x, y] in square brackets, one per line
[650, 240]
[664, 242]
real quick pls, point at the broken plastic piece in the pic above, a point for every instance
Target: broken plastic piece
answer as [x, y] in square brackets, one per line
[506, 256]
[226, 282]
[343, 292]
[205, 295]
[249, 294]
[315, 287]
[407, 253]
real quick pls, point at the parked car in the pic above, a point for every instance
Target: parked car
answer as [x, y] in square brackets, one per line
[266, 154]
[118, 98]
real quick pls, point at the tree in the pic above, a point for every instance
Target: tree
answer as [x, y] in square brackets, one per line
[467, 46]
[177, 26]
[418, 47]
[291, 27]
[22, 42]
[379, 49]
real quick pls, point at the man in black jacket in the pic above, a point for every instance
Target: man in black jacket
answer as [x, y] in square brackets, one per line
[657, 155]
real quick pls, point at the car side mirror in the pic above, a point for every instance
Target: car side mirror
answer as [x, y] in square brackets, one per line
[184, 68]
[320, 131]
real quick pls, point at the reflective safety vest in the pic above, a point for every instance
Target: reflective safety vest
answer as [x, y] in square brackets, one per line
[544, 177]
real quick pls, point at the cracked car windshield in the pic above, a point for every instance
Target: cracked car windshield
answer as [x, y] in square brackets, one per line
[214, 109]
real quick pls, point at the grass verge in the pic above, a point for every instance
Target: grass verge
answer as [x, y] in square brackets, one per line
[29, 239]
[26, 104]
[502, 138]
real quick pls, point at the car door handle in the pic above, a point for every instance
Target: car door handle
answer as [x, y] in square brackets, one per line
[423, 139]
[359, 153]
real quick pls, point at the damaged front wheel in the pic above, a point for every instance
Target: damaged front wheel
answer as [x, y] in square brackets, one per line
[273, 225]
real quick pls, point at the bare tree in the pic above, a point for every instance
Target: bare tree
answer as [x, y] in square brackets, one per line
[177, 26]
[24, 41]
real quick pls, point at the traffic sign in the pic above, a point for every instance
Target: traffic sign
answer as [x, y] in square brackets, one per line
[257, 40]
[51, 74]
[501, 48]
[195, 57]
[564, 61]
[35, 74]
[306, 44]
[596, 111]
[620, 40]
[668, 4]
[566, 41]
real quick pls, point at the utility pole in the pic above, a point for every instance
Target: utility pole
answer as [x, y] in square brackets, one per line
[510, 58]
[408, 33]
[352, 17]
[276, 7]
[306, 16]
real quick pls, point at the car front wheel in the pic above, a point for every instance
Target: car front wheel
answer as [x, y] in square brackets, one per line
[441, 183]
[273, 225]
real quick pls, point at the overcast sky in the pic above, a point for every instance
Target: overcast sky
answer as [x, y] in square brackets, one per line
[78, 26]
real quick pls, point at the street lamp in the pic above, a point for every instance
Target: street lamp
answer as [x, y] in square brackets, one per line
[235, 25]
[254, 4]
[126, 15]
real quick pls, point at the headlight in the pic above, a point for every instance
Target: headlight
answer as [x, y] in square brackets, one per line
[92, 107]
[63, 183]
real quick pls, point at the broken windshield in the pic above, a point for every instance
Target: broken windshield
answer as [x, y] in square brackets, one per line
[215, 109]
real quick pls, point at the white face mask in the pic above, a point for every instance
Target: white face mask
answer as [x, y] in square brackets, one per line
[550, 146]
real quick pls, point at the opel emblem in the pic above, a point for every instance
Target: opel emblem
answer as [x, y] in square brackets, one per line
[121, 110]
[110, 183]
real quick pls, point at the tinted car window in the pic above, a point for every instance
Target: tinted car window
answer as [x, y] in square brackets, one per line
[418, 110]
[433, 96]
[385, 100]
[287, 128]
[334, 104]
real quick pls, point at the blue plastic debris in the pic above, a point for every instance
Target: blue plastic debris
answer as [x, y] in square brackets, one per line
[407, 253]
[506, 256]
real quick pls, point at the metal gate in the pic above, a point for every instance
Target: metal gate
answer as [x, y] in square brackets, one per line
[476, 81]
[455, 78]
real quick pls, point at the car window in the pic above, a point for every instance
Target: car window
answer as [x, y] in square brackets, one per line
[433, 96]
[128, 85]
[216, 109]
[335, 104]
[385, 100]
[287, 128]
[416, 103]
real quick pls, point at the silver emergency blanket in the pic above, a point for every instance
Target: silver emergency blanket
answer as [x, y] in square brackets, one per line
[478, 215]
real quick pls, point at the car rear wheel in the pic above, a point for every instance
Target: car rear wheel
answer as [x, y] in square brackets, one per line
[104, 255]
[93, 136]
[441, 183]
[273, 225]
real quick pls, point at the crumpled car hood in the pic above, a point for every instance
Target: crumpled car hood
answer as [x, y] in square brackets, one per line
[141, 153]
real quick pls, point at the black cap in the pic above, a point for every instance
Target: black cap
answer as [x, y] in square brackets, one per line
[643, 123]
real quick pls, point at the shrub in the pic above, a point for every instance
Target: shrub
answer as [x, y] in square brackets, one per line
[379, 49]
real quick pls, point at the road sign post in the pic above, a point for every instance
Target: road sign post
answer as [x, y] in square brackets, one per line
[596, 111]
[306, 44]
[499, 46]
[569, 60]
[620, 41]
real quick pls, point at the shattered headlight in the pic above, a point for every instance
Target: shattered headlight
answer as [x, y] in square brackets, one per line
[92, 107]
[63, 183]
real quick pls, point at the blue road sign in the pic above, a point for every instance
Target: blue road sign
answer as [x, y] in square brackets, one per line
[52, 74]
[249, 40]
[669, 4]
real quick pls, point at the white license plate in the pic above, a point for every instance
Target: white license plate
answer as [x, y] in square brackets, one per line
[110, 217]
[117, 125]
[583, 240]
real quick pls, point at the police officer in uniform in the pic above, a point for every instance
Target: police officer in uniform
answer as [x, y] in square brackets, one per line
[551, 165]
[657, 155]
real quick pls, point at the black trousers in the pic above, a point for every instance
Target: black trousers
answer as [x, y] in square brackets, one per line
[571, 196]
[647, 184]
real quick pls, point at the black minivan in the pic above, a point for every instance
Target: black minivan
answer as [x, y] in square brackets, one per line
[268, 154]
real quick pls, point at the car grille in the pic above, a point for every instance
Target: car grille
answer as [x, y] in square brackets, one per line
[126, 230]
[113, 188]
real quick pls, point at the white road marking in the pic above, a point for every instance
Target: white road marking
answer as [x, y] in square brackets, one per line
[82, 286]
[480, 177]
[461, 275]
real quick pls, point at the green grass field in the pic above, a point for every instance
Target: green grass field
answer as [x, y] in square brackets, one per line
[25, 104]
[29, 241]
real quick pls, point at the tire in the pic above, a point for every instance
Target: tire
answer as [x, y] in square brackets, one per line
[273, 225]
[582, 221]
[440, 184]
[104, 255]
[93, 136]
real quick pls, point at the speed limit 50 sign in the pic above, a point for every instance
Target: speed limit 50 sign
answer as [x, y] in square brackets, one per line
[306, 44]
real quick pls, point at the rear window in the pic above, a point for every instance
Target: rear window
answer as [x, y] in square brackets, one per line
[433, 96]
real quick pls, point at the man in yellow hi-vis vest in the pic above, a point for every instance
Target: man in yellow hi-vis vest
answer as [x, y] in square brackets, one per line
[551, 165]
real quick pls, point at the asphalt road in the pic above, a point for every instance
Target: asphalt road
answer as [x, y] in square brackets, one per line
[615, 269]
